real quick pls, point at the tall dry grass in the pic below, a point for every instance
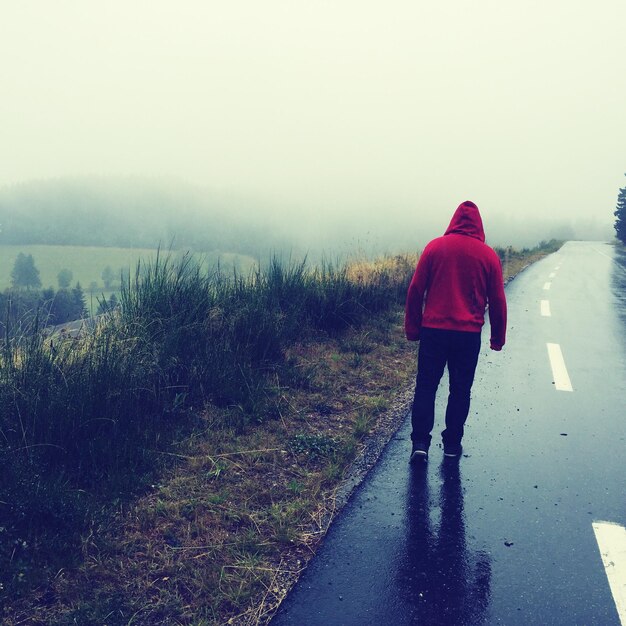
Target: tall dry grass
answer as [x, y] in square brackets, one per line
[84, 417]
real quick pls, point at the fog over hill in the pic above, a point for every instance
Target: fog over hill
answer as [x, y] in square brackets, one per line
[122, 212]
[142, 212]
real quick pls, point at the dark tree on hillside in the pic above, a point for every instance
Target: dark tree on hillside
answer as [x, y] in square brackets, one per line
[78, 301]
[65, 278]
[107, 276]
[107, 307]
[24, 273]
[22, 312]
[61, 307]
[620, 215]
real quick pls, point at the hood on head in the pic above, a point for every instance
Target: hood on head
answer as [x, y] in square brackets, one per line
[467, 221]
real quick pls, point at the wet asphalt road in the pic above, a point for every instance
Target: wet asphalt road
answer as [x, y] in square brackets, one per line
[504, 536]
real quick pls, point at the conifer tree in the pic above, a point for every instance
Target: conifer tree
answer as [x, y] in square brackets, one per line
[78, 300]
[620, 215]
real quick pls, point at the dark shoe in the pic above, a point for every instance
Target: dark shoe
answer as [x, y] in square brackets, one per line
[419, 453]
[452, 450]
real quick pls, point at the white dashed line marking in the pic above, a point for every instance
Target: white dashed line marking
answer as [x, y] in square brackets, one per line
[559, 371]
[552, 275]
[547, 286]
[545, 308]
[611, 540]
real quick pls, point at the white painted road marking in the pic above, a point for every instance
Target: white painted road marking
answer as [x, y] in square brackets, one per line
[611, 540]
[547, 286]
[545, 308]
[559, 371]
[552, 275]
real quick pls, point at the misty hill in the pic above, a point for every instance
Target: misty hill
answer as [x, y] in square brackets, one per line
[146, 213]
[128, 212]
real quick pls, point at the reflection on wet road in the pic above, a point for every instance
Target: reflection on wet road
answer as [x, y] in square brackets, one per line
[507, 536]
[441, 579]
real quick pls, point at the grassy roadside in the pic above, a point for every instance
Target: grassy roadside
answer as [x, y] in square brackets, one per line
[238, 507]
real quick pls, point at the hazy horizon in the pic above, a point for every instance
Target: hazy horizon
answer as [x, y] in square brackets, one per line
[347, 112]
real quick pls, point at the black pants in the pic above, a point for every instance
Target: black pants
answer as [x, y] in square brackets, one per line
[459, 350]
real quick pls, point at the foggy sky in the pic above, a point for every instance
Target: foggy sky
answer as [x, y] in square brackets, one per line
[401, 108]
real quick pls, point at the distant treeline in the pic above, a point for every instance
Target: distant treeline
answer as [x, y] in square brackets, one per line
[24, 311]
[128, 213]
[146, 213]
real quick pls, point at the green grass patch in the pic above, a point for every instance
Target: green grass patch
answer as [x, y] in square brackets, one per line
[87, 263]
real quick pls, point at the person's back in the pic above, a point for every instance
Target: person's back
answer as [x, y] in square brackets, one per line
[457, 276]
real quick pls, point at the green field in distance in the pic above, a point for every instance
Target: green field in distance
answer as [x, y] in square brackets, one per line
[87, 263]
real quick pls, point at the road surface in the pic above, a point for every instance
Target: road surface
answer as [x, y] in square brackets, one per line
[514, 532]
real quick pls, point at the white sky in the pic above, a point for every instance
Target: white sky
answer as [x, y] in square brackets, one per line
[343, 105]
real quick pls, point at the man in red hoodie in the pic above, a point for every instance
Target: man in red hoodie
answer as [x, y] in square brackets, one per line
[456, 278]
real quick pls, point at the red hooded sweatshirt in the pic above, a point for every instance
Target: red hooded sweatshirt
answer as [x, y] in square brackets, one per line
[457, 276]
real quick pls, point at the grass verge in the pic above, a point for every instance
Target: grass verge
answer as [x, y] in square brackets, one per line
[235, 507]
